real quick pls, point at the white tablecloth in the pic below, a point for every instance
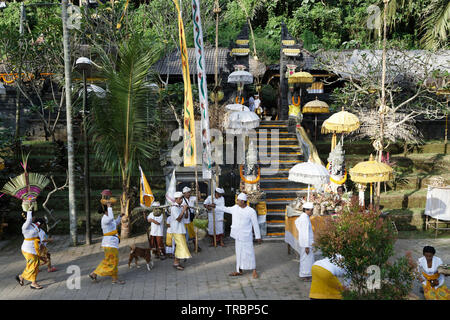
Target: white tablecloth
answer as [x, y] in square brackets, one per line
[438, 203]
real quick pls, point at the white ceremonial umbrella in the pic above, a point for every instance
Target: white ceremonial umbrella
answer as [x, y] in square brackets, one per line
[243, 120]
[236, 107]
[309, 173]
[240, 76]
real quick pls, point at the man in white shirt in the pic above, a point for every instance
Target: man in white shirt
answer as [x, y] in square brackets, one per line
[305, 241]
[191, 202]
[243, 221]
[178, 212]
[156, 230]
[219, 201]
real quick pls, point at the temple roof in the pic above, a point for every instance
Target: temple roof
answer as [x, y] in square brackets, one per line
[171, 63]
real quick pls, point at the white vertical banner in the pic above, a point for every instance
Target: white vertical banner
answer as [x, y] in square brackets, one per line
[202, 90]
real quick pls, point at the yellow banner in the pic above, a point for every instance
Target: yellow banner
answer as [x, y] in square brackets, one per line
[146, 194]
[189, 150]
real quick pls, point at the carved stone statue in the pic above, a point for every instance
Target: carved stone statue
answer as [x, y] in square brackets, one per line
[336, 167]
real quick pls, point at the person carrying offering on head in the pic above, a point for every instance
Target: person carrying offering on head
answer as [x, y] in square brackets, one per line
[110, 242]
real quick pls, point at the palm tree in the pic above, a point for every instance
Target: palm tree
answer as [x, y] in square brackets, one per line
[118, 122]
[434, 18]
[436, 25]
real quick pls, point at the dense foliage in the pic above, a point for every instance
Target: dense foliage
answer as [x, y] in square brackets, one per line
[364, 239]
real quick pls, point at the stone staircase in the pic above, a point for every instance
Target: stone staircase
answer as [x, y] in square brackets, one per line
[274, 175]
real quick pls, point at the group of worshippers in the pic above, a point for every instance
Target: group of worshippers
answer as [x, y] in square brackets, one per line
[244, 224]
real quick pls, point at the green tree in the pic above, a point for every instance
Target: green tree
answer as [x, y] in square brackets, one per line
[118, 122]
[365, 239]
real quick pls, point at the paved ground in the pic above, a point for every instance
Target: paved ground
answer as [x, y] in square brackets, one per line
[205, 277]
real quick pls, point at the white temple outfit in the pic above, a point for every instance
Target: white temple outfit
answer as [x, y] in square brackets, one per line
[187, 220]
[243, 221]
[218, 215]
[178, 230]
[109, 224]
[170, 244]
[30, 248]
[305, 240]
[29, 231]
[423, 267]
[156, 230]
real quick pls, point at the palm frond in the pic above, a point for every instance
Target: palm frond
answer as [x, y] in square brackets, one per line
[435, 26]
[118, 122]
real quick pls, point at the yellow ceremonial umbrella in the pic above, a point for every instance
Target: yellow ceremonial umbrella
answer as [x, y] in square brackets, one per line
[316, 106]
[340, 122]
[2, 164]
[369, 172]
[301, 77]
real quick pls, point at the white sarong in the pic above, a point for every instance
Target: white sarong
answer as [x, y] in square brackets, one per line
[306, 262]
[245, 255]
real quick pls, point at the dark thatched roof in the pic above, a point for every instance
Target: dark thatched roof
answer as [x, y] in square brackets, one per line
[171, 63]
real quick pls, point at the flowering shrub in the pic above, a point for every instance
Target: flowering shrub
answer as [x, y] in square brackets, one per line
[364, 239]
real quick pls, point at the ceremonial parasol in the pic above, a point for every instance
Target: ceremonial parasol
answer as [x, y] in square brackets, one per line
[369, 172]
[309, 173]
[2, 164]
[340, 122]
[316, 106]
[236, 107]
[240, 77]
[241, 121]
[301, 77]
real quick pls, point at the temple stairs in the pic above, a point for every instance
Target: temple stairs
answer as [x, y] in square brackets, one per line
[274, 181]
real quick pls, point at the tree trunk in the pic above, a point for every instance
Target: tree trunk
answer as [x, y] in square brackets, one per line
[70, 152]
[124, 209]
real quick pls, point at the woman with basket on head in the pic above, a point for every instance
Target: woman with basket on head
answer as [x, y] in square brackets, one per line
[30, 246]
[27, 188]
[110, 242]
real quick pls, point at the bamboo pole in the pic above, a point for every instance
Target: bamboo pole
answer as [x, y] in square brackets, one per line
[383, 97]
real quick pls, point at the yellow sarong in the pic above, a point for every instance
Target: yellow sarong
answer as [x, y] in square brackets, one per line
[32, 269]
[181, 249]
[430, 293]
[324, 284]
[169, 238]
[190, 229]
[109, 265]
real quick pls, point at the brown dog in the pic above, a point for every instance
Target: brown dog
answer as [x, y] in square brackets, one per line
[136, 252]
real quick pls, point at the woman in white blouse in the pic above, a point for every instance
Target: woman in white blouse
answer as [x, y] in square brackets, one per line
[30, 250]
[110, 245]
[432, 281]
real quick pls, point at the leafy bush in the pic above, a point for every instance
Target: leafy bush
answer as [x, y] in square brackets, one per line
[364, 239]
